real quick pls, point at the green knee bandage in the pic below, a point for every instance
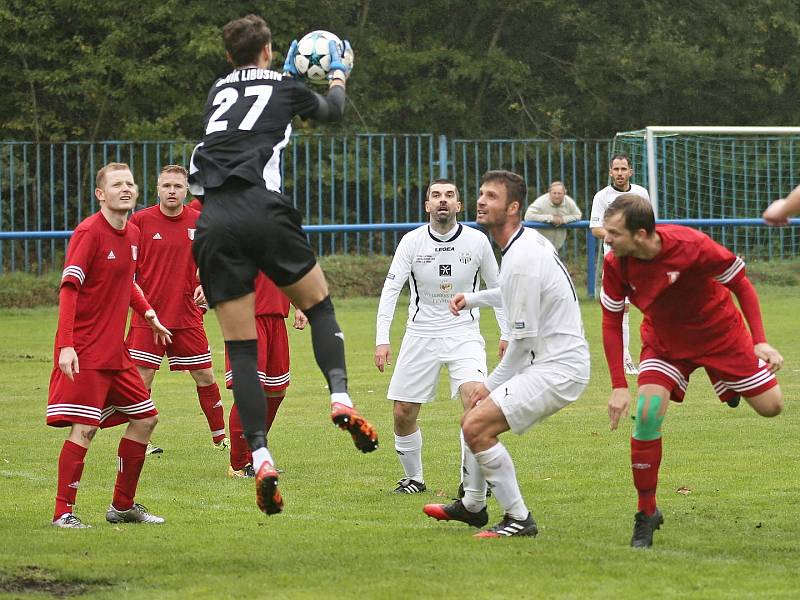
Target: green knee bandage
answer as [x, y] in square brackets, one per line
[647, 425]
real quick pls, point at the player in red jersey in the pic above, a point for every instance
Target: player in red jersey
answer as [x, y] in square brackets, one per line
[272, 308]
[682, 281]
[94, 384]
[167, 274]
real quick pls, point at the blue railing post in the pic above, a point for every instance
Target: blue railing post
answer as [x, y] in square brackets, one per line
[591, 263]
[443, 157]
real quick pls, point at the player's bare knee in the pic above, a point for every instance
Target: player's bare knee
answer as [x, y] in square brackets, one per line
[84, 433]
[405, 413]
[146, 425]
[768, 404]
[473, 429]
[203, 377]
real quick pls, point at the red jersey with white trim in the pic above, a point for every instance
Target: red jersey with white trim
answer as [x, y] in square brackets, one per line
[688, 311]
[100, 262]
[166, 270]
[270, 300]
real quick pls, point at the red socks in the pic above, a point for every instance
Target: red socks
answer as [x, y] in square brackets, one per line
[70, 468]
[645, 460]
[130, 458]
[240, 451]
[273, 404]
[211, 403]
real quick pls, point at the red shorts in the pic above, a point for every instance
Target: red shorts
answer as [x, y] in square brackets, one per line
[735, 371]
[189, 350]
[273, 354]
[98, 397]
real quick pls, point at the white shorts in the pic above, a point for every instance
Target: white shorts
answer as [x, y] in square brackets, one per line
[533, 395]
[416, 374]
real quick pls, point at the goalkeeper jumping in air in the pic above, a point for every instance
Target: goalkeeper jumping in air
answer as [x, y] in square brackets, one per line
[248, 226]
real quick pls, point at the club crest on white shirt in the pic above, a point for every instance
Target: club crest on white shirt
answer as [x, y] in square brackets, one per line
[465, 258]
[190, 233]
[673, 276]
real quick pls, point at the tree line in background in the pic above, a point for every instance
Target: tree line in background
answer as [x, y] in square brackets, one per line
[114, 69]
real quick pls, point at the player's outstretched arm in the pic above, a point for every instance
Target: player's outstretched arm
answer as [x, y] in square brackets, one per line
[457, 303]
[161, 334]
[769, 355]
[750, 307]
[618, 406]
[300, 319]
[288, 64]
[383, 356]
[778, 212]
[330, 108]
[68, 362]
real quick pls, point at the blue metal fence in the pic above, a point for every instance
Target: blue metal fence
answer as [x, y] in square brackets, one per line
[353, 180]
[705, 176]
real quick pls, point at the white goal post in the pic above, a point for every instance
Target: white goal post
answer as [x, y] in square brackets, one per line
[651, 133]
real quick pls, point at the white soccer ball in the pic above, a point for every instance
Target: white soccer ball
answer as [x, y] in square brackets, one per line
[313, 61]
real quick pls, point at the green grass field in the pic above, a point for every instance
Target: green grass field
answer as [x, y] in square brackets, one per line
[735, 535]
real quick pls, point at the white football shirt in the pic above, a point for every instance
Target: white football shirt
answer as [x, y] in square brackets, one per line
[437, 267]
[605, 198]
[540, 306]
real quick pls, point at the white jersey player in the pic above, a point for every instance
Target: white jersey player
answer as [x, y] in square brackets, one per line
[545, 366]
[438, 260]
[620, 172]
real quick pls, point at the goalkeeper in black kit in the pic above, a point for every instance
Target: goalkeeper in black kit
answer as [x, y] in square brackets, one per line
[248, 225]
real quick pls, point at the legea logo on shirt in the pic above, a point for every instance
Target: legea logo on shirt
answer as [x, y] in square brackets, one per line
[519, 324]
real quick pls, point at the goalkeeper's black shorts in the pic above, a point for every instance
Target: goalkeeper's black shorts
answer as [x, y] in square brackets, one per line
[245, 228]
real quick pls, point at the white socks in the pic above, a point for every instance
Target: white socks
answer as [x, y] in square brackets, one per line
[498, 470]
[344, 398]
[409, 451]
[261, 456]
[472, 479]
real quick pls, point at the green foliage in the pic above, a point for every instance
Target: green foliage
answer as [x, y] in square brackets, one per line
[96, 70]
[24, 290]
[355, 276]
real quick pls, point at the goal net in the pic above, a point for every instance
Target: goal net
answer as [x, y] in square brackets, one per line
[719, 173]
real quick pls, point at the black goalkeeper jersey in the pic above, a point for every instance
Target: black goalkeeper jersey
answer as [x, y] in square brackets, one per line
[247, 122]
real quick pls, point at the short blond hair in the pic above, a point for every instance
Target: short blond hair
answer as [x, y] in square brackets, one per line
[174, 169]
[100, 179]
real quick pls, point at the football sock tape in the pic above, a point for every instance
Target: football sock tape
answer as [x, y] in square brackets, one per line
[648, 422]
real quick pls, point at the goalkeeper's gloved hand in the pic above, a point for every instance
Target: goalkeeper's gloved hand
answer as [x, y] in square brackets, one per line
[339, 68]
[288, 64]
